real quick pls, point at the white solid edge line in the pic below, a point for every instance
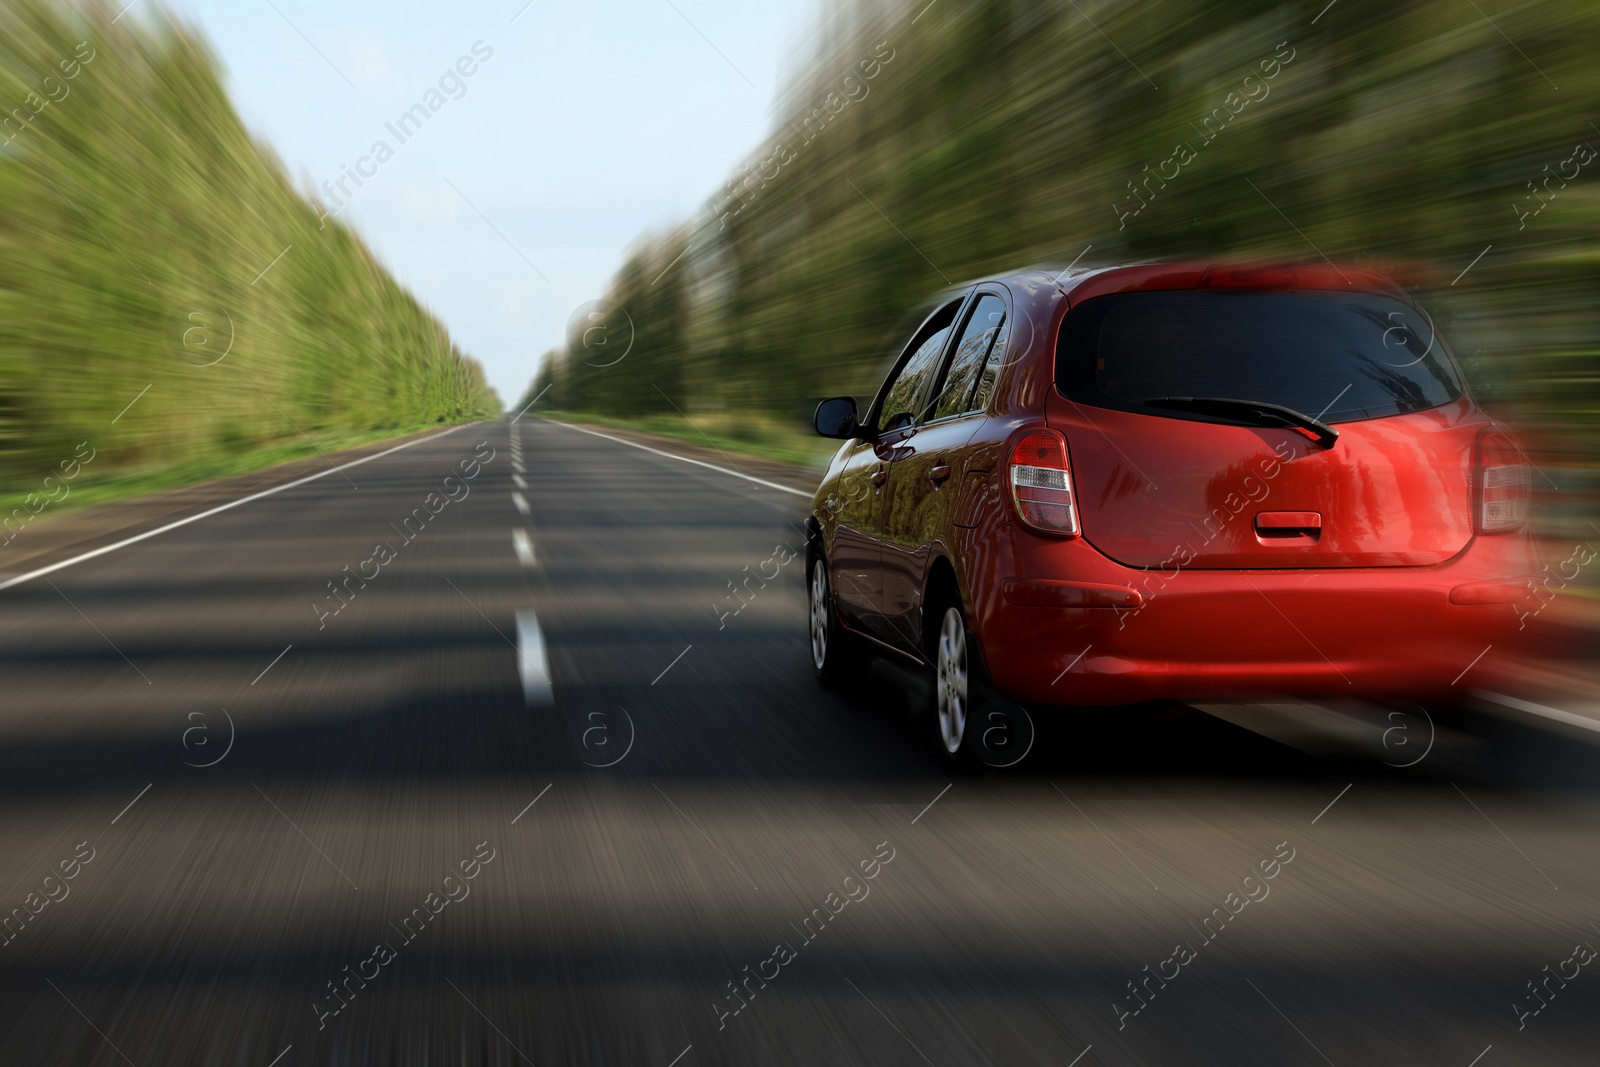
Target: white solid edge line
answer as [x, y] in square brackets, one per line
[1583, 722]
[75, 560]
[684, 459]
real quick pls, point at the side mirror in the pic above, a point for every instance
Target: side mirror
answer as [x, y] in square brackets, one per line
[836, 417]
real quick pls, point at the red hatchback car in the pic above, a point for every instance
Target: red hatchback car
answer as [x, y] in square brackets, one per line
[1181, 481]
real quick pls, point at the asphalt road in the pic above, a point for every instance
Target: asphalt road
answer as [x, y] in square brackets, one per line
[652, 798]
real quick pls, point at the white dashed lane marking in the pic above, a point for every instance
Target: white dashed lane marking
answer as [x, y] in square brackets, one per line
[523, 545]
[532, 663]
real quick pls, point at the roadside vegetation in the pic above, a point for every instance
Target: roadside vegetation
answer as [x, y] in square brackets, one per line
[923, 145]
[166, 295]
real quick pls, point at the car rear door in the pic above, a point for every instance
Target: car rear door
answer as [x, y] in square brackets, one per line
[928, 466]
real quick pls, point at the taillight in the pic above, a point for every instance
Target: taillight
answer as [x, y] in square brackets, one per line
[1505, 484]
[1041, 484]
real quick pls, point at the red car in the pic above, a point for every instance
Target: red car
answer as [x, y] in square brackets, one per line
[1182, 481]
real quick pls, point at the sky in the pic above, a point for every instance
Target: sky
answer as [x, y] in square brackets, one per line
[589, 123]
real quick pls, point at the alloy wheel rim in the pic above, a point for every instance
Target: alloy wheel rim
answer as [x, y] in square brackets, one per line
[819, 614]
[951, 676]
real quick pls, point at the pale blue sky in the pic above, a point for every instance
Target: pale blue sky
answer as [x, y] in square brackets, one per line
[594, 121]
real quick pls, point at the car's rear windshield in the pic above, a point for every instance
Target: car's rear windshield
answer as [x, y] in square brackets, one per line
[1340, 357]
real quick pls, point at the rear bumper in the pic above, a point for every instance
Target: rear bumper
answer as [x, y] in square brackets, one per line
[1377, 633]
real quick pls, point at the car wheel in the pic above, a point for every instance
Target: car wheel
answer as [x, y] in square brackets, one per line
[975, 727]
[952, 678]
[832, 651]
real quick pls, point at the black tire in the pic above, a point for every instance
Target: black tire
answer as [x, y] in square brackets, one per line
[974, 728]
[835, 655]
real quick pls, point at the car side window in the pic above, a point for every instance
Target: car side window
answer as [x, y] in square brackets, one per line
[969, 363]
[908, 385]
[991, 370]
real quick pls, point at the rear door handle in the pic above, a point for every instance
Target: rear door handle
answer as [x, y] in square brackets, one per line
[939, 473]
[879, 476]
[1289, 520]
[1293, 527]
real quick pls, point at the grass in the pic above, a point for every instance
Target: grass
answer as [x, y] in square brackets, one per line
[762, 439]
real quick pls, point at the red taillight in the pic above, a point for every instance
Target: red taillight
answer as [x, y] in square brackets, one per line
[1041, 484]
[1505, 485]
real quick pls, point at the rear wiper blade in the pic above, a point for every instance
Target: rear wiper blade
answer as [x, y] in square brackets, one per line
[1251, 413]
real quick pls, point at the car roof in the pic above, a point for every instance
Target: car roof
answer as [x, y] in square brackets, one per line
[1083, 283]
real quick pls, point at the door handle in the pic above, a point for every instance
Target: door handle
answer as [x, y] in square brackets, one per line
[879, 476]
[1289, 527]
[939, 473]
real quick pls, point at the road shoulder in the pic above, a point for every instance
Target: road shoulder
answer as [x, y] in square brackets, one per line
[52, 539]
[799, 478]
